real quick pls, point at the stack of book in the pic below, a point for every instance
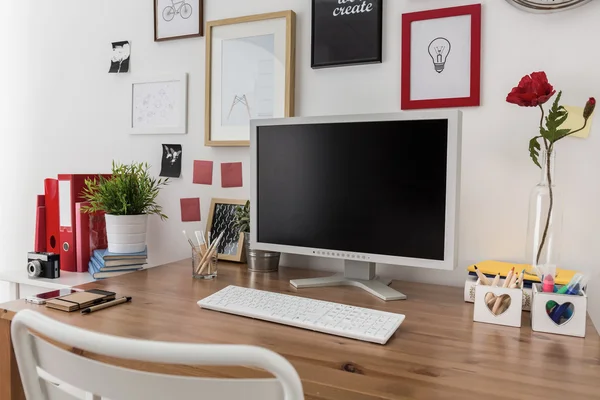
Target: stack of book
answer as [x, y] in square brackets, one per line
[104, 264]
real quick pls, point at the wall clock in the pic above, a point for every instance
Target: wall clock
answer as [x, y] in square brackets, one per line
[547, 5]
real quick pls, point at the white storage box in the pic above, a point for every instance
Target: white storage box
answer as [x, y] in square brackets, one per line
[571, 321]
[507, 303]
[469, 294]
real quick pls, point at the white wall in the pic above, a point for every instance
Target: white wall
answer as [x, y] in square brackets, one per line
[62, 112]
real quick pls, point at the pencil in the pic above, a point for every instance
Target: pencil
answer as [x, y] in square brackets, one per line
[189, 240]
[505, 285]
[513, 281]
[521, 278]
[208, 253]
[496, 280]
[482, 277]
[489, 296]
[508, 278]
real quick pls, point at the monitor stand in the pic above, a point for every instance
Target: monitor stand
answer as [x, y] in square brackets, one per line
[356, 273]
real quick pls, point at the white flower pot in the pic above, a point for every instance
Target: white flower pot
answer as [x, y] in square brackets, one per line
[126, 233]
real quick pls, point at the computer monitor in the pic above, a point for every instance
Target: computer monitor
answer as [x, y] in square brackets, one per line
[367, 189]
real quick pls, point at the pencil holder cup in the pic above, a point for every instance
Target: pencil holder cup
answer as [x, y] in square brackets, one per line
[498, 305]
[561, 314]
[204, 266]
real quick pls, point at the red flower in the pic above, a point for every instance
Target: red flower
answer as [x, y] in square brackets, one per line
[533, 90]
[589, 108]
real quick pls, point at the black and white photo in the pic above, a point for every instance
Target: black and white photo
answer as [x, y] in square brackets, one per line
[121, 54]
[346, 32]
[171, 160]
[178, 19]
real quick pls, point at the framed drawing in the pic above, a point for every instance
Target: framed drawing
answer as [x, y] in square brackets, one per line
[249, 74]
[345, 32]
[441, 64]
[221, 218]
[178, 19]
[159, 105]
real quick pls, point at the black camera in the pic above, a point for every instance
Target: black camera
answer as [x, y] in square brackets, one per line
[43, 265]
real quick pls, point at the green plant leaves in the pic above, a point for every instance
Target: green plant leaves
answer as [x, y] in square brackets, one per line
[242, 217]
[534, 150]
[130, 191]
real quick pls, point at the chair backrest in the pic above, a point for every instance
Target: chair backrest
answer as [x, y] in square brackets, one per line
[37, 358]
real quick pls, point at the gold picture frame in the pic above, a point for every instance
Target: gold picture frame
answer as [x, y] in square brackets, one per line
[222, 209]
[290, 60]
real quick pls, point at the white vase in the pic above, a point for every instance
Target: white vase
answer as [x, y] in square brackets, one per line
[126, 233]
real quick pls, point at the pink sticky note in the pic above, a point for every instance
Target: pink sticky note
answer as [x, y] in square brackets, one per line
[190, 210]
[231, 175]
[203, 172]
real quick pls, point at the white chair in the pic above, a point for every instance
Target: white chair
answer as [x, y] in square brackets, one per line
[38, 359]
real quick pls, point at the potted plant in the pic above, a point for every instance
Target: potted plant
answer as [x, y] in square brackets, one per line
[127, 198]
[258, 261]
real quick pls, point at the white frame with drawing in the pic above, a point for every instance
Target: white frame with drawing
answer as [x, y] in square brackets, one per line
[240, 52]
[178, 124]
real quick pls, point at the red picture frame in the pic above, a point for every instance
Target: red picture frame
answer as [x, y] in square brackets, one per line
[474, 98]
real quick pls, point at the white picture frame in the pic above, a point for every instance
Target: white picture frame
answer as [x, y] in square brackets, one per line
[249, 74]
[159, 105]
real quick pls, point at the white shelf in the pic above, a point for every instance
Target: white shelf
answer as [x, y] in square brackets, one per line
[66, 280]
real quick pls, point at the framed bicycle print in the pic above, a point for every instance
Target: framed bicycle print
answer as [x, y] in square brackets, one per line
[441, 63]
[178, 19]
[249, 74]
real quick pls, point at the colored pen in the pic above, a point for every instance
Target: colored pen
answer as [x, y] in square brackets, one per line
[108, 304]
[548, 284]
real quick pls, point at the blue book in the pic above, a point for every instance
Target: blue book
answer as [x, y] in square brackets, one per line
[114, 263]
[106, 255]
[97, 273]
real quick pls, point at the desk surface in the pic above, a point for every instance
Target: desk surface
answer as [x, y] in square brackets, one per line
[438, 352]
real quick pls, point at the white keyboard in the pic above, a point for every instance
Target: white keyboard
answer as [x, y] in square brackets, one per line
[321, 316]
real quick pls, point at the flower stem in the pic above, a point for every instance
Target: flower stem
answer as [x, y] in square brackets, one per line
[551, 195]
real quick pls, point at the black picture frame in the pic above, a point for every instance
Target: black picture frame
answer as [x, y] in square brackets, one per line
[356, 40]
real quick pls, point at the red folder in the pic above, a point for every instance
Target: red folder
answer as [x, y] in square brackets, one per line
[52, 216]
[40, 224]
[70, 191]
[82, 239]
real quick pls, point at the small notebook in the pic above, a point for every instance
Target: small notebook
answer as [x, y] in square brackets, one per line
[80, 300]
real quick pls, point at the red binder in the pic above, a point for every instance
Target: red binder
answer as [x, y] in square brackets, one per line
[82, 238]
[52, 216]
[40, 224]
[70, 188]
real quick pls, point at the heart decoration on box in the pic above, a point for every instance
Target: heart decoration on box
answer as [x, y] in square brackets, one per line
[560, 314]
[497, 305]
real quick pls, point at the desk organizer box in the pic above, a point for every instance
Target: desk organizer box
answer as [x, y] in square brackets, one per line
[469, 294]
[568, 321]
[511, 316]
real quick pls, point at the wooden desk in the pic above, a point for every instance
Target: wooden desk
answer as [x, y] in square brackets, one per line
[438, 352]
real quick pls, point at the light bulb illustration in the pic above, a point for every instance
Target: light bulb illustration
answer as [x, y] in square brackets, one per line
[439, 49]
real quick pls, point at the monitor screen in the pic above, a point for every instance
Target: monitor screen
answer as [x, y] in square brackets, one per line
[367, 187]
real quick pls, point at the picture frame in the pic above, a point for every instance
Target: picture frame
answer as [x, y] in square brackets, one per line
[221, 216]
[245, 56]
[441, 58]
[175, 19]
[346, 34]
[159, 105]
